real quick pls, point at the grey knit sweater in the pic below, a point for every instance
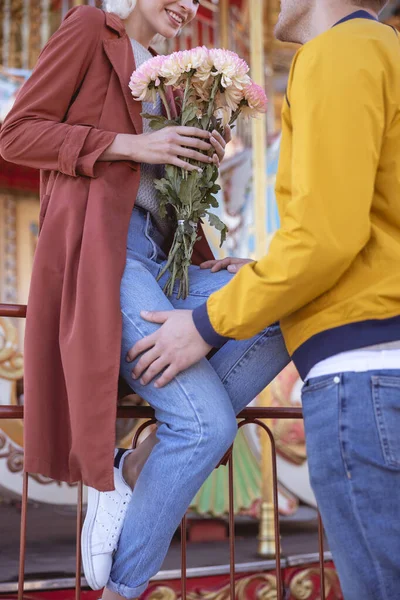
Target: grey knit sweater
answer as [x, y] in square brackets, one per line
[147, 194]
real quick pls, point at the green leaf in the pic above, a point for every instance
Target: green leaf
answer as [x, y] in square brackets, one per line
[163, 186]
[173, 177]
[212, 201]
[209, 172]
[204, 122]
[219, 225]
[162, 209]
[190, 190]
[188, 113]
[153, 117]
[157, 125]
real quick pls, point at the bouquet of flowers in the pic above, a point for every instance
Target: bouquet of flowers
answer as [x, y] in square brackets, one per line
[215, 89]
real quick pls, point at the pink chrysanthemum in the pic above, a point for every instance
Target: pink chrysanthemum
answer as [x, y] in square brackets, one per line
[146, 79]
[256, 101]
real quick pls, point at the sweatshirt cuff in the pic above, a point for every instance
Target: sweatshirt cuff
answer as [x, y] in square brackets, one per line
[206, 330]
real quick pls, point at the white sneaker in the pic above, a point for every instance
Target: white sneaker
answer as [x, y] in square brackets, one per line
[102, 527]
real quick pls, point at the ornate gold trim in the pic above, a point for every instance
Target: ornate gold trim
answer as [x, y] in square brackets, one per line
[302, 586]
[267, 590]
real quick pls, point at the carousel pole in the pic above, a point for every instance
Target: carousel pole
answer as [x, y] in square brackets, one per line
[266, 535]
[224, 24]
[259, 127]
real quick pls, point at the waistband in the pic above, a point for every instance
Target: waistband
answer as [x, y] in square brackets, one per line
[352, 336]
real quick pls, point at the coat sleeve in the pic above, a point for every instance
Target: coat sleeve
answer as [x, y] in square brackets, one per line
[33, 133]
[338, 121]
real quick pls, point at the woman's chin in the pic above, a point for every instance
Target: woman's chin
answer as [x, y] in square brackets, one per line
[168, 33]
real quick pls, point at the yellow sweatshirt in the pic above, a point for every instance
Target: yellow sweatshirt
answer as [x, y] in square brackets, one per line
[332, 274]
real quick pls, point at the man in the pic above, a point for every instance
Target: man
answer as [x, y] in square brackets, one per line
[331, 278]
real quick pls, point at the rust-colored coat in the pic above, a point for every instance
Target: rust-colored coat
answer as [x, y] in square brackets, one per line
[65, 116]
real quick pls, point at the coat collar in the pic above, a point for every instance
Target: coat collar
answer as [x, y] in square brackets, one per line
[120, 54]
[115, 23]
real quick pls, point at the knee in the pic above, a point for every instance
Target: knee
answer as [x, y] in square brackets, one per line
[219, 433]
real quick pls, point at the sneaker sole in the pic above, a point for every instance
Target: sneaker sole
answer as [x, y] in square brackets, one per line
[92, 504]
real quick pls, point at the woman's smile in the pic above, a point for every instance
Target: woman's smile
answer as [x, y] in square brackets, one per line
[176, 19]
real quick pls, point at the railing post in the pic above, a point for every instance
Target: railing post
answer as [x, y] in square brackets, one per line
[321, 557]
[22, 541]
[232, 570]
[183, 558]
[78, 541]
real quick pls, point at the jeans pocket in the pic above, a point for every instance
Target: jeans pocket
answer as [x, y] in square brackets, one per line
[320, 383]
[386, 402]
[320, 400]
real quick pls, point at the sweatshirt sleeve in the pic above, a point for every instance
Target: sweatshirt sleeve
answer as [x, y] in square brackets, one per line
[33, 133]
[336, 98]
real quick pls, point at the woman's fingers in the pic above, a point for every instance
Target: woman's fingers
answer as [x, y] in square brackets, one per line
[190, 142]
[193, 132]
[219, 144]
[218, 138]
[194, 155]
[178, 162]
[227, 134]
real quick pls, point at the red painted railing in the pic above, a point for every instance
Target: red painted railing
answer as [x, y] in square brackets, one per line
[247, 416]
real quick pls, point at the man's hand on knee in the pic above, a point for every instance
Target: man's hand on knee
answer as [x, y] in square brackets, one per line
[173, 348]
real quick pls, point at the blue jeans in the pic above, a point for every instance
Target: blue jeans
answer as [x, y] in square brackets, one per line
[352, 423]
[196, 412]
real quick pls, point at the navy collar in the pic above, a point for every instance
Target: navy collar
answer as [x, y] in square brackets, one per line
[359, 14]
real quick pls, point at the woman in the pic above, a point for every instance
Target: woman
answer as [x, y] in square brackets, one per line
[102, 244]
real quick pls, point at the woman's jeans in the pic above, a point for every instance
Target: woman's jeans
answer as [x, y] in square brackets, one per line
[352, 423]
[196, 413]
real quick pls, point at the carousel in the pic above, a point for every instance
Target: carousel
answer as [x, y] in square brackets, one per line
[247, 205]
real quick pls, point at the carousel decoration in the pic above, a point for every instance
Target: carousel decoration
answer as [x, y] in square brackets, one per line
[300, 584]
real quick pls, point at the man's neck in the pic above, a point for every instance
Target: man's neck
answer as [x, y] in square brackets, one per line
[325, 17]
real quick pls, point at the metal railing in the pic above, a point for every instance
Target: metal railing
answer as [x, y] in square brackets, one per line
[253, 415]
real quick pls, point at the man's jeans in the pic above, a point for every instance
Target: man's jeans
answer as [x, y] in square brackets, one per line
[196, 413]
[352, 423]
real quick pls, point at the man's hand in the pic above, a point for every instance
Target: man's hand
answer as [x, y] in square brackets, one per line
[230, 264]
[175, 347]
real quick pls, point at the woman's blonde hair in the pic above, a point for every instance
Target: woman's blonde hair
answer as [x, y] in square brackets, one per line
[122, 8]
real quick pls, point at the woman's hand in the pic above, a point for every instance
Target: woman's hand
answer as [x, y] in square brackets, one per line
[233, 265]
[171, 145]
[219, 143]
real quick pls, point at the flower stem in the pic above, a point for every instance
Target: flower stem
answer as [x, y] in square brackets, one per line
[163, 97]
[214, 90]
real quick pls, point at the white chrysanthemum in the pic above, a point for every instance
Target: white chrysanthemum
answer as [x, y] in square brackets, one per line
[233, 70]
[179, 63]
